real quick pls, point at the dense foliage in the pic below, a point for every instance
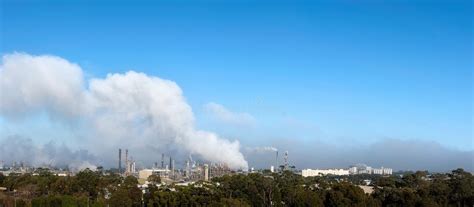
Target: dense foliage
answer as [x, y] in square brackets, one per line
[89, 188]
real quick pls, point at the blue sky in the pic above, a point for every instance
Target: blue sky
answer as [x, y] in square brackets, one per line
[306, 71]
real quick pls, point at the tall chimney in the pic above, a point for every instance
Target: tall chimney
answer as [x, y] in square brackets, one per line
[171, 163]
[172, 166]
[162, 160]
[206, 172]
[120, 161]
[127, 165]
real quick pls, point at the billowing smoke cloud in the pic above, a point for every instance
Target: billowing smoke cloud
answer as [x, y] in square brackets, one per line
[132, 110]
[21, 149]
[30, 84]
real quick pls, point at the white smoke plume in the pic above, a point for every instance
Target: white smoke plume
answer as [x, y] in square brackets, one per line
[133, 110]
[262, 149]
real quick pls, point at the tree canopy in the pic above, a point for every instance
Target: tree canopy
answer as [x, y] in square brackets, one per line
[94, 188]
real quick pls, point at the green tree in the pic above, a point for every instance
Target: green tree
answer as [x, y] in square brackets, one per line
[2, 179]
[439, 190]
[120, 198]
[133, 192]
[86, 181]
[154, 179]
[62, 186]
[462, 188]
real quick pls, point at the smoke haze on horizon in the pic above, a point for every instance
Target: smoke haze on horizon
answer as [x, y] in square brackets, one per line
[389, 152]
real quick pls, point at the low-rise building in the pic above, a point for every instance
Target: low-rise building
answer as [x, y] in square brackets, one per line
[145, 173]
[364, 169]
[377, 171]
[387, 171]
[318, 172]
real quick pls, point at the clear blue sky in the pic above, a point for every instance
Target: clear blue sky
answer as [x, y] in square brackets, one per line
[359, 71]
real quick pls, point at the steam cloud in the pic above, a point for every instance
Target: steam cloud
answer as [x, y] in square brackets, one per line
[141, 112]
[262, 149]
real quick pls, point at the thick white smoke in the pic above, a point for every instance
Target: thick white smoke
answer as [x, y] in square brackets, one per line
[262, 149]
[29, 84]
[131, 110]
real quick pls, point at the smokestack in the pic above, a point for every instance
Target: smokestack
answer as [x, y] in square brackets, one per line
[120, 161]
[286, 160]
[206, 172]
[162, 161]
[171, 163]
[132, 166]
[127, 166]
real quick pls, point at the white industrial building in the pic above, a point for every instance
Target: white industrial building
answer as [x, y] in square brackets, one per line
[364, 169]
[382, 171]
[353, 170]
[377, 171]
[145, 173]
[318, 172]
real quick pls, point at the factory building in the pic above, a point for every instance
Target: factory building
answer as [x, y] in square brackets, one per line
[317, 172]
[192, 171]
[364, 169]
[353, 170]
[145, 173]
[382, 171]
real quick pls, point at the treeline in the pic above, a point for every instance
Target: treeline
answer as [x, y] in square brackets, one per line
[89, 188]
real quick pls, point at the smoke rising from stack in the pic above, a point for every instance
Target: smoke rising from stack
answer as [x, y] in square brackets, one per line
[130, 109]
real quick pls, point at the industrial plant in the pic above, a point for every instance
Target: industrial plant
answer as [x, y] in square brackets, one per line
[192, 170]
